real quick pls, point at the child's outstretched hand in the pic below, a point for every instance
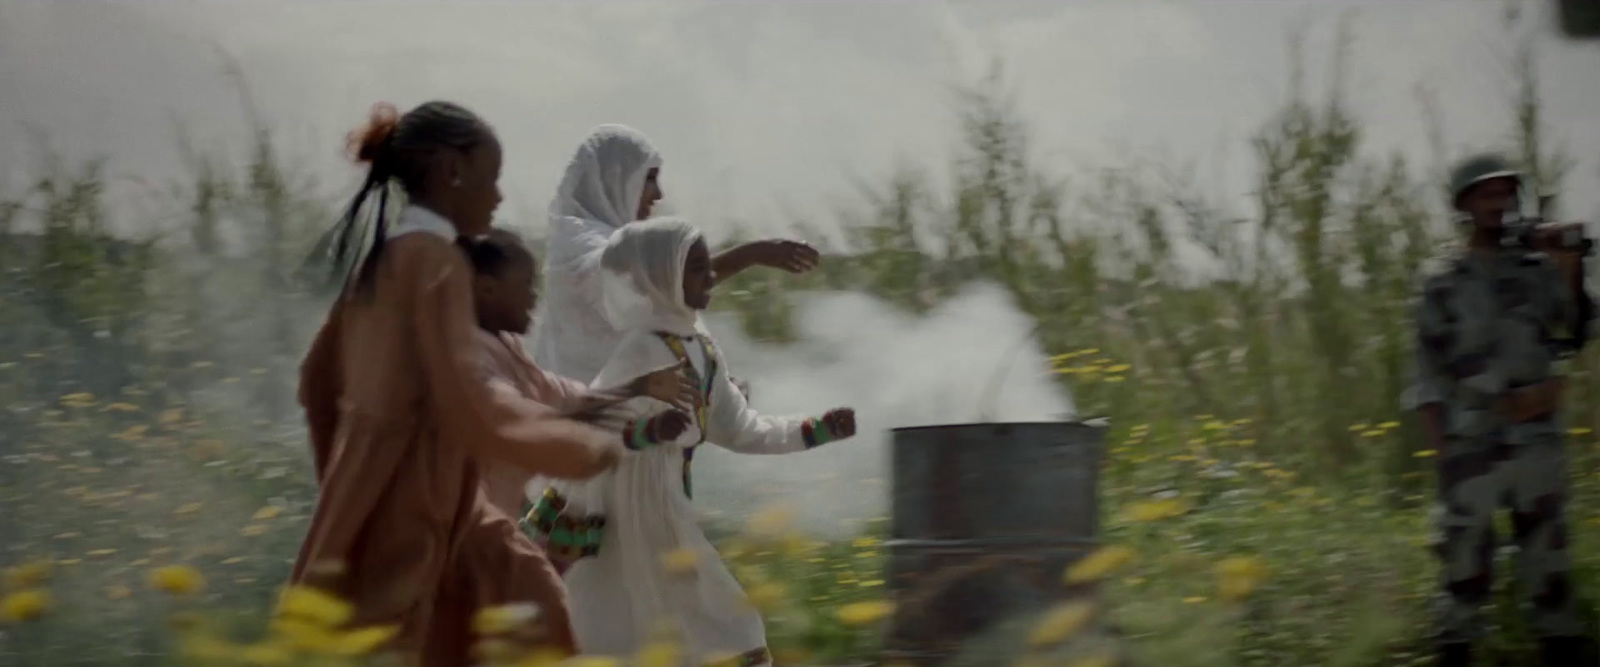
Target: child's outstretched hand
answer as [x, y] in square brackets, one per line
[841, 423]
[667, 426]
[673, 385]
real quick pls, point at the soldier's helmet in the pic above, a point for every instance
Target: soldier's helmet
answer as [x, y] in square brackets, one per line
[1477, 169]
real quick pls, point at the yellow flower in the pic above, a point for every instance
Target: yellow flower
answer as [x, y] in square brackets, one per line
[864, 542]
[680, 562]
[504, 618]
[24, 605]
[1579, 431]
[1426, 453]
[767, 596]
[771, 521]
[29, 574]
[1389, 426]
[177, 580]
[266, 653]
[304, 635]
[314, 605]
[362, 641]
[1154, 510]
[1197, 599]
[1060, 624]
[267, 512]
[660, 654]
[78, 400]
[864, 613]
[1237, 577]
[1098, 564]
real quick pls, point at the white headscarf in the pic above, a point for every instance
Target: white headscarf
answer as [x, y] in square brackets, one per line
[599, 194]
[606, 177]
[642, 277]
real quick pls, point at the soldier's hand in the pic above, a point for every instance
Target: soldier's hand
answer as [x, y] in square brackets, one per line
[1562, 242]
[1539, 401]
[1555, 237]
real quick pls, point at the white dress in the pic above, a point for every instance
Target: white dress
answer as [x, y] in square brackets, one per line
[622, 593]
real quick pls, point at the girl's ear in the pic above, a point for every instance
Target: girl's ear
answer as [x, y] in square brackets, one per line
[446, 168]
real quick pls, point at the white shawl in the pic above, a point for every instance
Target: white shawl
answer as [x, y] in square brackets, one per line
[598, 195]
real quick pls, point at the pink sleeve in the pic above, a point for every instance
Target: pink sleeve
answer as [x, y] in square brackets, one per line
[493, 424]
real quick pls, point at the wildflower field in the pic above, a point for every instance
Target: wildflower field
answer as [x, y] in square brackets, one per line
[1264, 499]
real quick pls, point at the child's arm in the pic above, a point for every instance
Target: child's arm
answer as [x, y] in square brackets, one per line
[640, 360]
[576, 400]
[731, 423]
[492, 423]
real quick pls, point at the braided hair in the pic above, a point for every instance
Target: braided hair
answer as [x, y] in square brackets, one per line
[398, 150]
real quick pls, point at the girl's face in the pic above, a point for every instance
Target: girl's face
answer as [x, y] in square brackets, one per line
[651, 195]
[698, 278]
[476, 187]
[505, 300]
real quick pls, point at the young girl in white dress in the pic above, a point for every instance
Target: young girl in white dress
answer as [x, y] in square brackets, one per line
[657, 276]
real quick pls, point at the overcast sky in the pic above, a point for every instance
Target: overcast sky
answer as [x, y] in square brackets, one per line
[758, 107]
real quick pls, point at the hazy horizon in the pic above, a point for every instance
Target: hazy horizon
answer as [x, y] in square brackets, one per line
[767, 113]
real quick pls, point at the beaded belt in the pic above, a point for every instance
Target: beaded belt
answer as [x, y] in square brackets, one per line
[562, 535]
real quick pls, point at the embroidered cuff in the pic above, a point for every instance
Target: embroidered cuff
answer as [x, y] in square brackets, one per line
[638, 436]
[816, 433]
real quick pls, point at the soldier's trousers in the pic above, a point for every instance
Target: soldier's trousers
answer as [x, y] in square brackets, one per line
[1529, 480]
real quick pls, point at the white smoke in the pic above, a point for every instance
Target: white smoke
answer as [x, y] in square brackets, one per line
[972, 359]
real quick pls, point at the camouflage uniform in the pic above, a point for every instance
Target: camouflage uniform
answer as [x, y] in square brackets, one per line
[1485, 326]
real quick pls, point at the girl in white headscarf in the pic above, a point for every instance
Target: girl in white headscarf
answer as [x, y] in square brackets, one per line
[656, 276]
[613, 180]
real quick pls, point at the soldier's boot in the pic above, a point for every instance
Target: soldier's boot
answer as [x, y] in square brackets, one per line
[1568, 652]
[1455, 654]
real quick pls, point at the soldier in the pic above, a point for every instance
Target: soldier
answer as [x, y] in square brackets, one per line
[1493, 329]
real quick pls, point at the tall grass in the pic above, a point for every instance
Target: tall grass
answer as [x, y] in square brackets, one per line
[148, 381]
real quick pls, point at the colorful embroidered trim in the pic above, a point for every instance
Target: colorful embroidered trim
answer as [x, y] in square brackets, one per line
[563, 536]
[707, 384]
[681, 351]
[750, 658]
[816, 433]
[639, 437]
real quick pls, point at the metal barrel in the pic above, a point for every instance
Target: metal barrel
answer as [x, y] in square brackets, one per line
[985, 519]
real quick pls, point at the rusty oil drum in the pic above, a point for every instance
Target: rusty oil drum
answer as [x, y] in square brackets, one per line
[986, 517]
